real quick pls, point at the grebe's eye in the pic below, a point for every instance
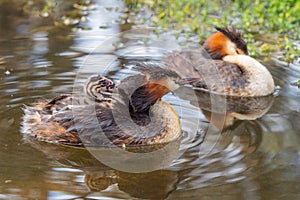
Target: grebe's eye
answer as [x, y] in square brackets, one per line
[237, 51]
[177, 80]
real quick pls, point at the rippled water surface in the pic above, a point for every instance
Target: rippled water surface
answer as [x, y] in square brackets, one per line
[253, 159]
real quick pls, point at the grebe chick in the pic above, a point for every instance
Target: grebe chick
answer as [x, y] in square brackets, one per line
[223, 67]
[99, 88]
[130, 114]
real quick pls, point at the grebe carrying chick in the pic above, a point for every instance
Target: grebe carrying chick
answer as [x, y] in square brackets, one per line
[139, 96]
[234, 72]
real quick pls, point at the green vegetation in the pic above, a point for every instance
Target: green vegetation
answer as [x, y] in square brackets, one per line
[61, 14]
[269, 26]
[297, 83]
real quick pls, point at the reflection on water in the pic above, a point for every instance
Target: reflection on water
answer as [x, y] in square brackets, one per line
[224, 111]
[253, 159]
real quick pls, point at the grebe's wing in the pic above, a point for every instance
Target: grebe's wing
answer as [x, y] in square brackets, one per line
[202, 72]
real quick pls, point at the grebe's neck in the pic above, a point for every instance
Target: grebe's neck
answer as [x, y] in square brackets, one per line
[260, 81]
[146, 96]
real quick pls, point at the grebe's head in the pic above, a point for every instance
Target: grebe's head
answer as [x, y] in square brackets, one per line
[99, 88]
[157, 82]
[159, 77]
[227, 41]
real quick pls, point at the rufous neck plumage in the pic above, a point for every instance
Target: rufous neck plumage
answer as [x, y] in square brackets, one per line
[225, 42]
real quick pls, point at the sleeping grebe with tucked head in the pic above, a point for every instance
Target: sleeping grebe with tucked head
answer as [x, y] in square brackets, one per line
[238, 74]
[139, 95]
[226, 41]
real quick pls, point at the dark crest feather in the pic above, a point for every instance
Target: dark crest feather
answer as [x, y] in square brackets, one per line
[235, 37]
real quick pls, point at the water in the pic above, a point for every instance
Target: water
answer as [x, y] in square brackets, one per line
[257, 159]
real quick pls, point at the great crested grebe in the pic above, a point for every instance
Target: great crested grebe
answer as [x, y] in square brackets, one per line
[224, 67]
[137, 96]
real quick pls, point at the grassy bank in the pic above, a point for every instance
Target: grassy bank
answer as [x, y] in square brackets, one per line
[270, 26]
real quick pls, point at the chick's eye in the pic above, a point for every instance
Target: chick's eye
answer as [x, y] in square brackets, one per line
[237, 51]
[102, 83]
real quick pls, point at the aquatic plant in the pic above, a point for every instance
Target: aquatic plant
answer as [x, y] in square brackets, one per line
[270, 26]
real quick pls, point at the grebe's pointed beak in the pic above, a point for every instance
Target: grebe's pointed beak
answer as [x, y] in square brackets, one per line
[188, 81]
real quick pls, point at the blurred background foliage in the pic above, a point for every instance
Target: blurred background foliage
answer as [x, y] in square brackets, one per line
[271, 27]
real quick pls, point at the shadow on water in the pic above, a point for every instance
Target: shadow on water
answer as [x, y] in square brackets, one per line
[256, 156]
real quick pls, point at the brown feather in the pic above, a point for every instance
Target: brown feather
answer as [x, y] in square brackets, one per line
[213, 75]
